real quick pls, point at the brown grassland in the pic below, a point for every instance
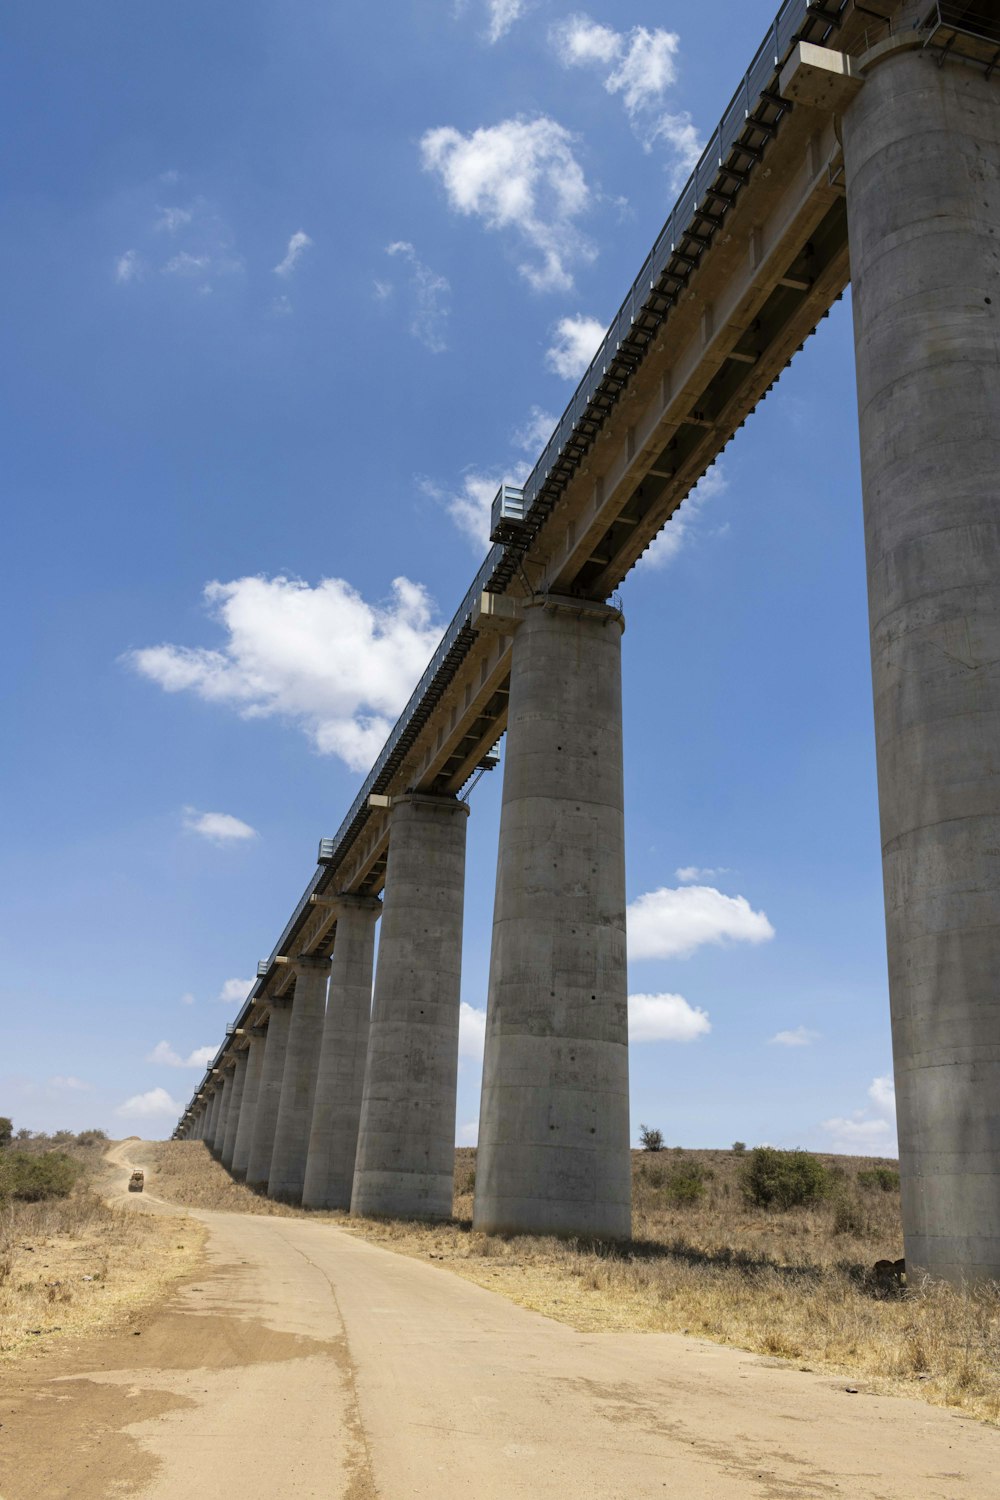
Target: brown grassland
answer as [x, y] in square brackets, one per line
[77, 1264]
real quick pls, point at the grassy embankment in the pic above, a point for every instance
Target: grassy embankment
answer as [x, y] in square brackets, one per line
[793, 1283]
[69, 1262]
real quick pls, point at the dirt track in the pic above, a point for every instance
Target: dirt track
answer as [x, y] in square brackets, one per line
[306, 1362]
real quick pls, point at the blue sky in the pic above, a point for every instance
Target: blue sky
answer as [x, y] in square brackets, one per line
[290, 288]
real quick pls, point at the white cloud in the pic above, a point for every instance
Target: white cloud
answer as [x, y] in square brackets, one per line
[471, 1032]
[665, 1018]
[502, 15]
[468, 1134]
[152, 1102]
[323, 658]
[520, 176]
[574, 345]
[172, 219]
[670, 923]
[186, 264]
[235, 991]
[801, 1036]
[535, 431]
[870, 1131]
[297, 245]
[128, 267]
[218, 828]
[187, 999]
[67, 1081]
[643, 66]
[696, 875]
[164, 1054]
[469, 506]
[428, 290]
[683, 524]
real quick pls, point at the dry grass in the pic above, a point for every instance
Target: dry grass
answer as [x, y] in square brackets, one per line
[76, 1265]
[795, 1285]
[187, 1173]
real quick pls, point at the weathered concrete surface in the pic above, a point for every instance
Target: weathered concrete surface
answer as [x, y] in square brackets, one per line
[298, 1080]
[268, 1096]
[922, 150]
[554, 1123]
[222, 1114]
[406, 1139]
[211, 1110]
[235, 1104]
[248, 1108]
[340, 1079]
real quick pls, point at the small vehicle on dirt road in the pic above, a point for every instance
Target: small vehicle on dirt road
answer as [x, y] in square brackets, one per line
[136, 1182]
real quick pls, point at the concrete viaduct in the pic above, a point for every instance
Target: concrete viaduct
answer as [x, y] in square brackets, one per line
[863, 144]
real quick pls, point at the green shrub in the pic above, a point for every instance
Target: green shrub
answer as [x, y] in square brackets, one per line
[656, 1176]
[739, 1148]
[783, 1179]
[686, 1183]
[6, 1131]
[33, 1178]
[879, 1178]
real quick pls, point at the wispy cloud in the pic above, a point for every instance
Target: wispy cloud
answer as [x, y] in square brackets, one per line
[168, 1057]
[187, 999]
[428, 293]
[471, 1032]
[235, 991]
[320, 656]
[469, 503]
[535, 431]
[575, 341]
[128, 267]
[640, 66]
[67, 1082]
[665, 1018]
[521, 178]
[870, 1131]
[152, 1103]
[800, 1036]
[676, 922]
[170, 220]
[686, 521]
[218, 828]
[698, 875]
[502, 15]
[297, 246]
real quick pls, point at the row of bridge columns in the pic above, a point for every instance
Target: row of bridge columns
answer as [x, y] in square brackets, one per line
[347, 1100]
[326, 1111]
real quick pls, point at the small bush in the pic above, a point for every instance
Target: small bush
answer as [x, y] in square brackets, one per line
[656, 1176]
[650, 1139]
[783, 1179]
[882, 1179]
[849, 1216]
[686, 1183]
[35, 1178]
[739, 1148]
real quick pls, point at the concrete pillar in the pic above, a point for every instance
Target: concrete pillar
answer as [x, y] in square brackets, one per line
[225, 1095]
[333, 1137]
[235, 1102]
[554, 1121]
[212, 1115]
[268, 1095]
[298, 1081]
[406, 1139]
[248, 1108]
[922, 158]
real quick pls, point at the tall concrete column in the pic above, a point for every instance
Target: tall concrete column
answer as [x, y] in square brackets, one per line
[248, 1108]
[298, 1081]
[554, 1122]
[922, 158]
[333, 1137]
[406, 1139]
[268, 1095]
[213, 1113]
[235, 1103]
[225, 1095]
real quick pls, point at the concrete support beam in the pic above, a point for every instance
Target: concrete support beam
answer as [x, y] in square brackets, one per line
[922, 163]
[406, 1140]
[248, 1108]
[268, 1096]
[225, 1094]
[333, 1137]
[298, 1081]
[239, 1074]
[554, 1124]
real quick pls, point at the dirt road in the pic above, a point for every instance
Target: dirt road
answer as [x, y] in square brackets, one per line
[306, 1362]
